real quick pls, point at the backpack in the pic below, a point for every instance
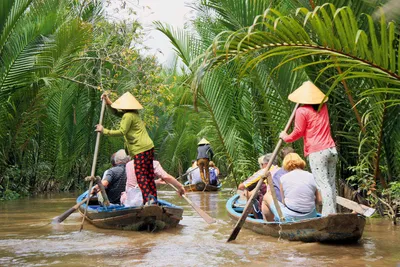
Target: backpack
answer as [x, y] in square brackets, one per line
[213, 176]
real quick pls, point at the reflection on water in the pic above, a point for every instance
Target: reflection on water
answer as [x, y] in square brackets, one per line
[27, 238]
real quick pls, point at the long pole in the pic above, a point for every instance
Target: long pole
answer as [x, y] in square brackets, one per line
[207, 218]
[183, 175]
[96, 151]
[246, 210]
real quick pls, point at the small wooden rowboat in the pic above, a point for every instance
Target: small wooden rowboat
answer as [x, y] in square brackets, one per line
[340, 228]
[202, 187]
[148, 217]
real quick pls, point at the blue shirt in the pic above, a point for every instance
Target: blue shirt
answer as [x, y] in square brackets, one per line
[276, 179]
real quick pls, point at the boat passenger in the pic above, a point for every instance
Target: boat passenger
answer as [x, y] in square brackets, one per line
[189, 171]
[204, 155]
[114, 179]
[196, 177]
[276, 178]
[212, 165]
[298, 190]
[313, 125]
[137, 141]
[132, 184]
[252, 181]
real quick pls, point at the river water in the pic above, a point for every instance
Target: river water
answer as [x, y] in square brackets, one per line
[27, 238]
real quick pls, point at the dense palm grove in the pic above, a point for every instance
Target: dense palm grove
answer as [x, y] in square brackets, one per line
[241, 60]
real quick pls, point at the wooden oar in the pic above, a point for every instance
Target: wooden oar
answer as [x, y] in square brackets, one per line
[351, 205]
[202, 213]
[246, 210]
[183, 175]
[65, 215]
[96, 151]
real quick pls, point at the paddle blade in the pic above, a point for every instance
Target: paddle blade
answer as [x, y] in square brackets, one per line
[351, 205]
[62, 217]
[66, 214]
[234, 233]
[243, 218]
[368, 211]
[207, 218]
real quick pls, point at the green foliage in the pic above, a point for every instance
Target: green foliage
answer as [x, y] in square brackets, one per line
[347, 54]
[56, 58]
[395, 189]
[259, 51]
[9, 195]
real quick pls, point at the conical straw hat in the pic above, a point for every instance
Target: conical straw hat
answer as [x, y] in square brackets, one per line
[308, 93]
[203, 142]
[126, 102]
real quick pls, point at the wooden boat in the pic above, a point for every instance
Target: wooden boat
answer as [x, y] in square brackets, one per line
[148, 217]
[202, 187]
[340, 228]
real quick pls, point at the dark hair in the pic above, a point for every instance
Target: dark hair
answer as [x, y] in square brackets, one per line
[316, 106]
[284, 151]
[112, 159]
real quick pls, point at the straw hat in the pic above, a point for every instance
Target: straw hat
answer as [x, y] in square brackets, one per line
[203, 142]
[308, 93]
[126, 102]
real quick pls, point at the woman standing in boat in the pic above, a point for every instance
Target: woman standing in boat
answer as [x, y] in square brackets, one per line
[313, 125]
[204, 155]
[137, 141]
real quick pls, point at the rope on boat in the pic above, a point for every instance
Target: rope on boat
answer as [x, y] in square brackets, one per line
[279, 232]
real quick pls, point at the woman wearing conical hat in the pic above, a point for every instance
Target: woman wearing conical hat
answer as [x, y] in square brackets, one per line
[204, 155]
[314, 127]
[137, 141]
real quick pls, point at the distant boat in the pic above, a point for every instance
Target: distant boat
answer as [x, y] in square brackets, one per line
[202, 187]
[148, 217]
[340, 228]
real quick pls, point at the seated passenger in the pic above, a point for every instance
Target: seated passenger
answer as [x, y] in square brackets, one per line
[189, 171]
[276, 177]
[132, 185]
[298, 190]
[212, 164]
[214, 172]
[196, 177]
[114, 179]
[252, 181]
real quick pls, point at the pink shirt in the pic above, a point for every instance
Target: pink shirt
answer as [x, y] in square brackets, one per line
[314, 127]
[131, 180]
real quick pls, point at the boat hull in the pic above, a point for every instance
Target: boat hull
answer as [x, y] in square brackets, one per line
[202, 187]
[339, 228]
[144, 218]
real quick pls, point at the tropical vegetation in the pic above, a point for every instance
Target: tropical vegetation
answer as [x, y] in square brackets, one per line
[245, 57]
[56, 58]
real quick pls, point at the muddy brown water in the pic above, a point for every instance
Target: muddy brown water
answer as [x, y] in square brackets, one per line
[27, 238]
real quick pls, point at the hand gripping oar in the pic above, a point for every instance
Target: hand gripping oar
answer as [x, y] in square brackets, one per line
[96, 151]
[204, 215]
[246, 210]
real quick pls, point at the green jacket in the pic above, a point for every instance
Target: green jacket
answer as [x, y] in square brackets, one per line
[132, 128]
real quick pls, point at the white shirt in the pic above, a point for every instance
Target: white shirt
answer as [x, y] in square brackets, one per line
[196, 178]
[299, 189]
